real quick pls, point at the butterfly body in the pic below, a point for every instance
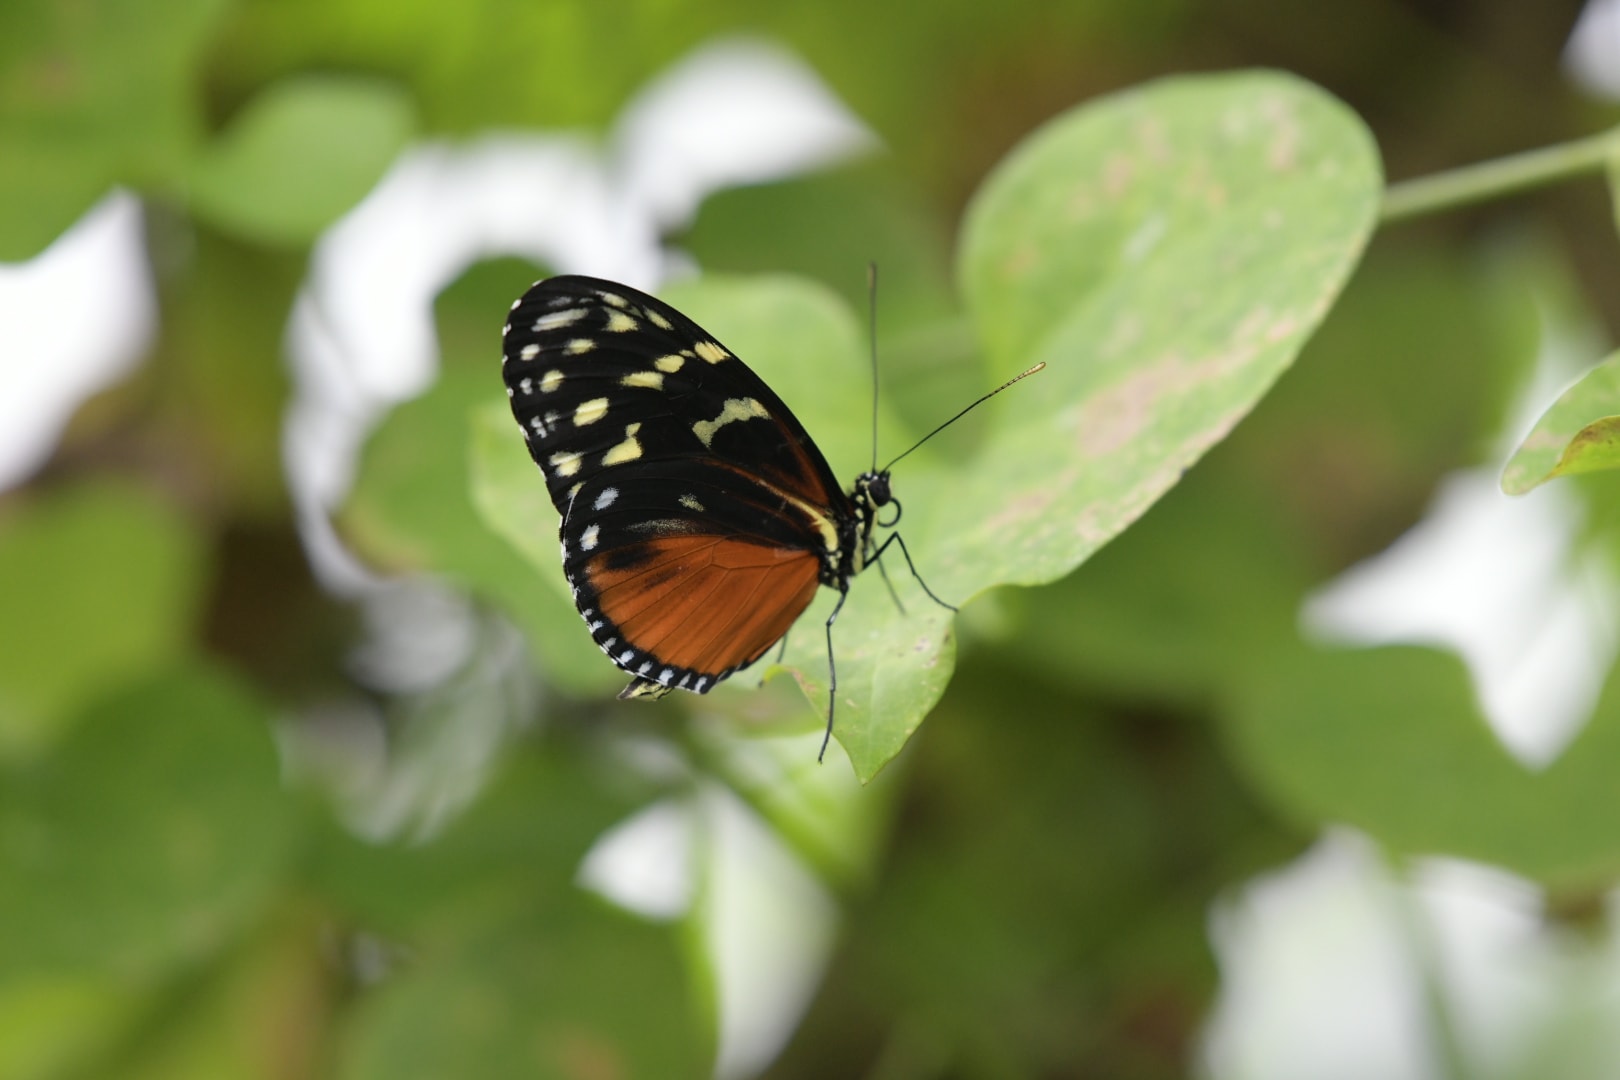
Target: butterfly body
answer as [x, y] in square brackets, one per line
[698, 516]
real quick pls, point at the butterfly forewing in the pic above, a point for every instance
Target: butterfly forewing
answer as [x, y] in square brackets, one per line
[698, 516]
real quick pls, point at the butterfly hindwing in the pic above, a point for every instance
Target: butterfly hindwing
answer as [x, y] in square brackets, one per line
[698, 516]
[668, 590]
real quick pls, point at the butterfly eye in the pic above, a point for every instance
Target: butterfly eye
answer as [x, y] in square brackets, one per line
[876, 487]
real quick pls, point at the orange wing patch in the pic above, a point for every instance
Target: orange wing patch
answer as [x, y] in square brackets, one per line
[702, 602]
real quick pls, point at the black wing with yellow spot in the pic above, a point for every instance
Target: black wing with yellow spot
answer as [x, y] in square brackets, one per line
[698, 515]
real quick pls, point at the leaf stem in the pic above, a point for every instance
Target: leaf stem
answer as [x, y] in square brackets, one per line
[1503, 176]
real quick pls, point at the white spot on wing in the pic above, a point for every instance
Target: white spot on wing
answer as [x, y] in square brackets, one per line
[550, 381]
[605, 499]
[587, 539]
[528, 352]
[619, 322]
[579, 345]
[670, 364]
[566, 464]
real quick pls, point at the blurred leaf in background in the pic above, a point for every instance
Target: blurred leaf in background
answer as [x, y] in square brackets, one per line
[94, 95]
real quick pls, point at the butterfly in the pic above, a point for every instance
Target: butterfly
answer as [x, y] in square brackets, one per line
[699, 518]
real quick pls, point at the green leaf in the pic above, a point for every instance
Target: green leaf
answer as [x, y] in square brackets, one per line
[149, 839]
[92, 94]
[1166, 251]
[101, 582]
[576, 990]
[300, 155]
[1391, 740]
[1408, 377]
[1580, 433]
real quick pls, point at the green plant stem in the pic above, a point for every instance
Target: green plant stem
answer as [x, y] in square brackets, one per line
[1504, 176]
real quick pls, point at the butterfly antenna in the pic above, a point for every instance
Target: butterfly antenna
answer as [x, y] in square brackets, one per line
[964, 412]
[871, 314]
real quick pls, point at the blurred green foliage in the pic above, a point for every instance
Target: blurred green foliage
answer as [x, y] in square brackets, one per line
[228, 849]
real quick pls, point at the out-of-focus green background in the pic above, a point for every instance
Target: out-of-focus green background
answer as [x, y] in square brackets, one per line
[264, 820]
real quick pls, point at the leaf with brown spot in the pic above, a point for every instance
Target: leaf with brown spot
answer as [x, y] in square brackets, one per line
[1580, 433]
[1166, 251]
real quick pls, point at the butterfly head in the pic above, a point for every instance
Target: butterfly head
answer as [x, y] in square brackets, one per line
[873, 488]
[872, 493]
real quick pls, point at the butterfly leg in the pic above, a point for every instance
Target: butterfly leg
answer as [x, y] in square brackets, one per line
[890, 586]
[832, 672]
[894, 538]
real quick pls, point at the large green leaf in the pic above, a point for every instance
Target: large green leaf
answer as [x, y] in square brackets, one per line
[92, 94]
[101, 582]
[1579, 433]
[1167, 252]
[300, 155]
[1407, 378]
[151, 836]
